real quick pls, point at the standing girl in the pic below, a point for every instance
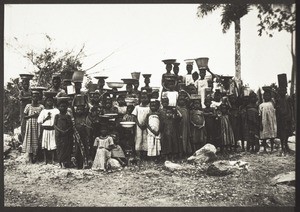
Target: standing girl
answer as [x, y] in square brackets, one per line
[141, 111]
[63, 126]
[153, 129]
[184, 127]
[46, 119]
[198, 133]
[268, 126]
[104, 144]
[32, 132]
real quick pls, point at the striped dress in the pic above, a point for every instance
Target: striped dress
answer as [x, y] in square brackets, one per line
[32, 132]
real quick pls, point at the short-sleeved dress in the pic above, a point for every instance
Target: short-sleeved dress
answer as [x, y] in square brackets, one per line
[198, 132]
[154, 146]
[48, 138]
[32, 132]
[141, 135]
[268, 114]
[102, 154]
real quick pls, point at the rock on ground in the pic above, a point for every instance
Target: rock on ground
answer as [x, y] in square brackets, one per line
[172, 166]
[288, 177]
[206, 154]
[220, 168]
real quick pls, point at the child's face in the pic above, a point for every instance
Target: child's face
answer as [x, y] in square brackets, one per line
[207, 103]
[35, 97]
[25, 85]
[169, 67]
[165, 102]
[202, 73]
[154, 106]
[80, 109]
[197, 104]
[49, 102]
[103, 131]
[267, 96]
[217, 97]
[181, 101]
[56, 82]
[63, 107]
[155, 95]
[144, 99]
[121, 101]
[192, 89]
[176, 70]
[129, 88]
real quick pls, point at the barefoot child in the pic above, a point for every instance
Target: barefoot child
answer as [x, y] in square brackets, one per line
[46, 119]
[104, 144]
[198, 134]
[63, 126]
[153, 129]
[268, 126]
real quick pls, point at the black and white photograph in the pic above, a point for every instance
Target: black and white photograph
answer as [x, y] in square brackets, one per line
[149, 105]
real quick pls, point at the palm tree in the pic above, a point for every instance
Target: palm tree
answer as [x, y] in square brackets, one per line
[231, 13]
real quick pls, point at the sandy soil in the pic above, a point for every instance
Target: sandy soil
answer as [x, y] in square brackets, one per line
[38, 185]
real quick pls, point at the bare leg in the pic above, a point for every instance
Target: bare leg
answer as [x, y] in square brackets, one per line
[45, 156]
[272, 144]
[265, 145]
[52, 156]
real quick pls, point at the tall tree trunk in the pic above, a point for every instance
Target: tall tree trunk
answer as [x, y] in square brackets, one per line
[237, 42]
[293, 74]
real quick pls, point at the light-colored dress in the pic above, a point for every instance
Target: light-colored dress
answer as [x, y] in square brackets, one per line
[102, 154]
[32, 132]
[268, 114]
[48, 138]
[201, 85]
[188, 79]
[141, 135]
[154, 146]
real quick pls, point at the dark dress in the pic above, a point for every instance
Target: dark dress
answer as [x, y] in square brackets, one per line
[210, 120]
[169, 134]
[251, 124]
[184, 131]
[198, 128]
[235, 122]
[284, 118]
[64, 141]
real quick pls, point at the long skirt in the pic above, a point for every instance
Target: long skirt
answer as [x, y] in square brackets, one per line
[102, 155]
[64, 147]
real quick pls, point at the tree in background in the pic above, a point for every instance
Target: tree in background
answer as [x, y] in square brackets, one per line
[231, 13]
[278, 17]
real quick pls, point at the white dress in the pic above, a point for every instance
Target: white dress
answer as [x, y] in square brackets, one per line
[48, 138]
[268, 114]
[102, 154]
[154, 146]
[141, 135]
[201, 85]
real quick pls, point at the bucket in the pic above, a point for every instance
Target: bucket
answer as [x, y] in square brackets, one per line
[202, 62]
[136, 75]
[78, 76]
[282, 80]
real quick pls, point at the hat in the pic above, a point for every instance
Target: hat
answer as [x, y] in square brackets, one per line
[202, 62]
[129, 81]
[282, 80]
[26, 76]
[136, 75]
[169, 61]
[56, 76]
[189, 61]
[49, 94]
[78, 76]
[63, 99]
[147, 75]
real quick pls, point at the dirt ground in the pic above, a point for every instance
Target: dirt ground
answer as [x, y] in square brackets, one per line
[39, 185]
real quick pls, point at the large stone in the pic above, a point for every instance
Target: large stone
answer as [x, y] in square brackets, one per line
[113, 164]
[220, 168]
[204, 155]
[285, 178]
[172, 166]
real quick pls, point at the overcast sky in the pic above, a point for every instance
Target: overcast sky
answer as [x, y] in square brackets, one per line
[142, 35]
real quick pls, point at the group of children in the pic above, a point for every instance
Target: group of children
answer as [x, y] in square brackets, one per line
[89, 132]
